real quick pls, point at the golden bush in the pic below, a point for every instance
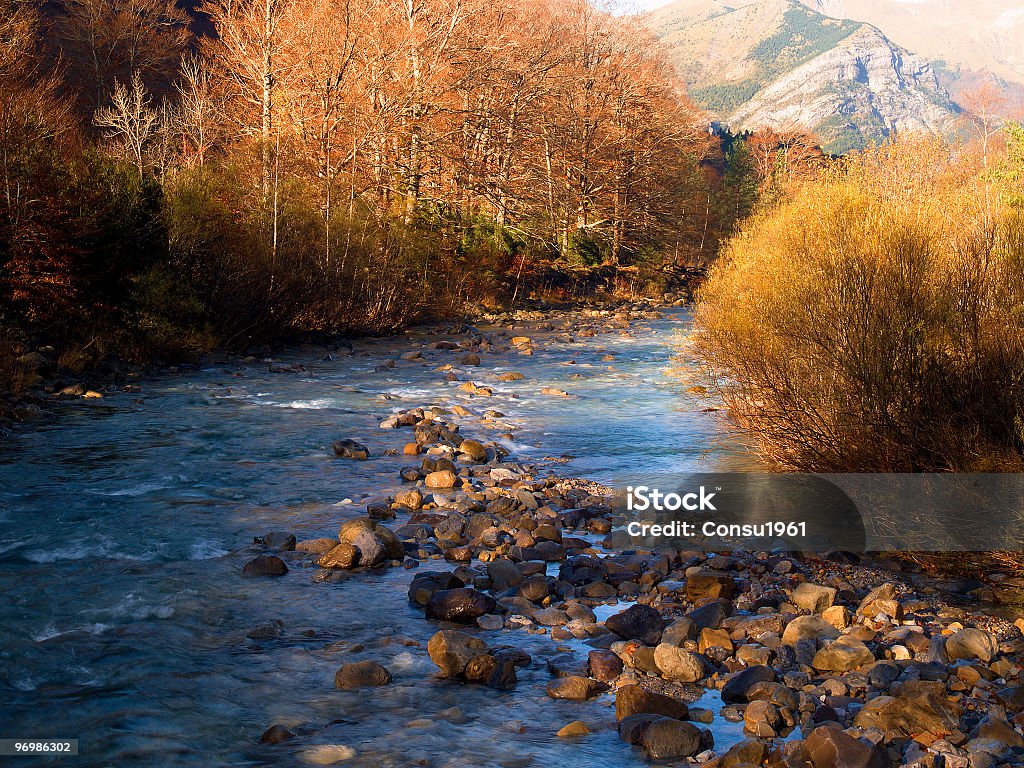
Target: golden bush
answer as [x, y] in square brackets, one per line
[875, 320]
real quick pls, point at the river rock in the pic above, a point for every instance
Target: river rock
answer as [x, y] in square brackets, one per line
[664, 738]
[504, 574]
[739, 684]
[677, 664]
[638, 622]
[437, 464]
[444, 478]
[316, 546]
[604, 665]
[572, 730]
[452, 650]
[372, 550]
[265, 565]
[463, 605]
[575, 688]
[919, 710]
[972, 644]
[713, 638]
[775, 693]
[881, 600]
[411, 498]
[843, 655]
[350, 449]
[632, 700]
[710, 615]
[551, 617]
[679, 632]
[279, 540]
[762, 719]
[813, 597]
[710, 584]
[361, 674]
[492, 671]
[748, 752]
[344, 555]
[829, 746]
[426, 583]
[808, 628]
[535, 588]
[473, 449]
[275, 734]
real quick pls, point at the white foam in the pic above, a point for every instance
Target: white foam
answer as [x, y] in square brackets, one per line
[206, 549]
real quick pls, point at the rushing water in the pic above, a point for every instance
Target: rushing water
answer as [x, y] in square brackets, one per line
[124, 526]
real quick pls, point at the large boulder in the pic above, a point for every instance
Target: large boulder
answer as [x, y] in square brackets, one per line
[473, 450]
[444, 478]
[463, 605]
[638, 622]
[279, 540]
[361, 674]
[633, 700]
[710, 615]
[680, 665]
[452, 651]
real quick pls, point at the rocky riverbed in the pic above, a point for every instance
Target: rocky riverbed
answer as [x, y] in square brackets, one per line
[469, 611]
[824, 663]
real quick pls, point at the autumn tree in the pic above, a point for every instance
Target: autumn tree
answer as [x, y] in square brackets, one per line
[34, 121]
[108, 41]
[247, 54]
[130, 121]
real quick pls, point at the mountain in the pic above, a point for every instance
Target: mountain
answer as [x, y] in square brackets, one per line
[974, 35]
[780, 64]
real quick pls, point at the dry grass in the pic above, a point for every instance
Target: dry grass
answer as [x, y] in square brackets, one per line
[875, 321]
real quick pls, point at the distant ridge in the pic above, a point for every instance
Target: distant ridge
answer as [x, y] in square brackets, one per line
[780, 64]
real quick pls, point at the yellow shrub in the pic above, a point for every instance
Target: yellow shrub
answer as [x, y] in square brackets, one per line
[875, 321]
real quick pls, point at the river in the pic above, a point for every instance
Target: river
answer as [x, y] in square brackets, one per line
[125, 524]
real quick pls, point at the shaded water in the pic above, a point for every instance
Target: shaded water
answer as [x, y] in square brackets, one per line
[123, 529]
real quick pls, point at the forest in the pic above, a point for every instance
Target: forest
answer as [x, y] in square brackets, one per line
[177, 179]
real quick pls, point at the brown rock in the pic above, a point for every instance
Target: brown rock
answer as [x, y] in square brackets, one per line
[344, 555]
[632, 700]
